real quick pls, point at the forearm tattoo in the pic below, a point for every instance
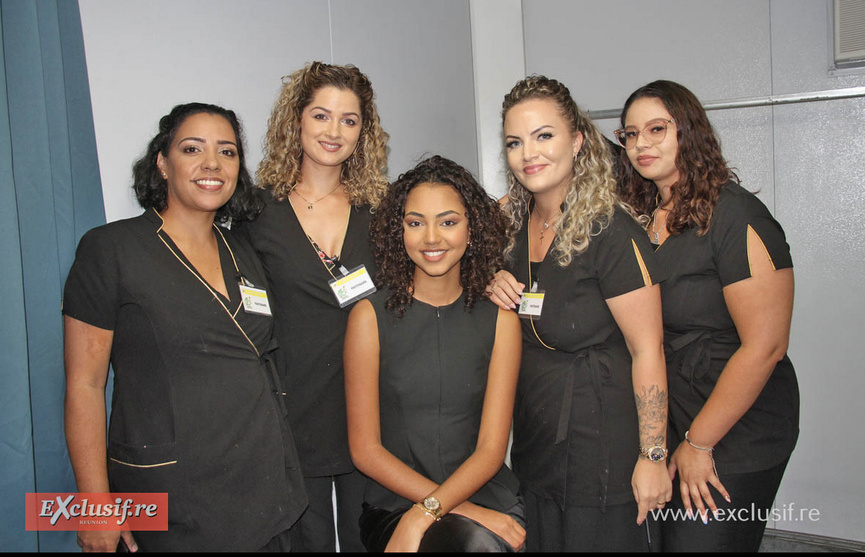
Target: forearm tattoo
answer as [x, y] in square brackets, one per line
[652, 412]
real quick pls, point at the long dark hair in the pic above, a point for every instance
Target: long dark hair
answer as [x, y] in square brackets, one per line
[487, 224]
[150, 187]
[702, 168]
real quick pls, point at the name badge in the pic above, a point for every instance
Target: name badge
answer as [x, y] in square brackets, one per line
[353, 286]
[254, 300]
[531, 304]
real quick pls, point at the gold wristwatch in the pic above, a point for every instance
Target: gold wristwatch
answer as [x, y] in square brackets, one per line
[433, 507]
[654, 454]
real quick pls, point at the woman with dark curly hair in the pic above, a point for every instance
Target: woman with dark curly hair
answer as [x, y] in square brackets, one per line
[431, 369]
[163, 298]
[324, 168]
[728, 302]
[591, 409]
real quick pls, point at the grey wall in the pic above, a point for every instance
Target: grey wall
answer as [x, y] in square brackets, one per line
[145, 57]
[418, 54]
[805, 161]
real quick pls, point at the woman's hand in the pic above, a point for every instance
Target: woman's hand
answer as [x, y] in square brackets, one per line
[652, 487]
[501, 524]
[696, 473]
[105, 541]
[409, 531]
[505, 291]
[87, 351]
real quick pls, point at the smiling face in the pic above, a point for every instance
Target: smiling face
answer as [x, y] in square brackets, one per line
[201, 165]
[435, 230]
[330, 127]
[654, 161]
[540, 146]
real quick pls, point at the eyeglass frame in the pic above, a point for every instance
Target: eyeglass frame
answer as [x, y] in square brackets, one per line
[639, 132]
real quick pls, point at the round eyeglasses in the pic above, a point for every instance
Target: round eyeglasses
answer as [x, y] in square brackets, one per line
[654, 132]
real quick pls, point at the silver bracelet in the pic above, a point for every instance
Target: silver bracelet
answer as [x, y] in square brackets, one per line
[698, 447]
[710, 450]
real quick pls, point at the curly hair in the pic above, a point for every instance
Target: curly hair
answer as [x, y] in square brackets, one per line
[151, 189]
[591, 198]
[363, 173]
[487, 225]
[703, 171]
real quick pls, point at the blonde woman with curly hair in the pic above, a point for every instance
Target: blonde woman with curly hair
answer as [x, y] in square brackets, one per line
[324, 168]
[590, 423]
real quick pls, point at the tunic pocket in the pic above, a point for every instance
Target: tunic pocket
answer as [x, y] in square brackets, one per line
[148, 469]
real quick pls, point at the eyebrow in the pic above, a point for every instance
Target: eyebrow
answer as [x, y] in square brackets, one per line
[438, 216]
[202, 140]
[533, 132]
[664, 118]
[355, 114]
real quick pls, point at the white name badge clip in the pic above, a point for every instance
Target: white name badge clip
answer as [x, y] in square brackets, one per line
[531, 304]
[254, 299]
[352, 286]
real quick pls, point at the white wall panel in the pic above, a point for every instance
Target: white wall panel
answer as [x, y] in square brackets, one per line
[418, 54]
[145, 57]
[604, 50]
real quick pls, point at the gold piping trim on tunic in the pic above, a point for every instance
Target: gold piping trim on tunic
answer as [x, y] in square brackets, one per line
[529, 246]
[204, 282]
[311, 242]
[647, 278]
[748, 248]
[143, 465]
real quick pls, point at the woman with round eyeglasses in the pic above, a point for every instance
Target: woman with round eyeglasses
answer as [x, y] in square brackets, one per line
[727, 304]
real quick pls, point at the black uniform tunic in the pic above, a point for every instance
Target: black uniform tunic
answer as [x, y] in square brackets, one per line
[310, 328]
[700, 334]
[194, 412]
[576, 431]
[433, 371]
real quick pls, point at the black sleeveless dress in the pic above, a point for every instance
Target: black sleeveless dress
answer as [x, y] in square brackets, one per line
[432, 379]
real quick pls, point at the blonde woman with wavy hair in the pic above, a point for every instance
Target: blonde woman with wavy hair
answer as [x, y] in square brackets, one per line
[324, 170]
[589, 443]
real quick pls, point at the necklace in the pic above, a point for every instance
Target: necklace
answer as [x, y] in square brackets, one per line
[546, 225]
[656, 233]
[309, 203]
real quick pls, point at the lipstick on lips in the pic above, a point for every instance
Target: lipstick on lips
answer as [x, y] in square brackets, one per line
[534, 169]
[330, 147]
[210, 184]
[433, 255]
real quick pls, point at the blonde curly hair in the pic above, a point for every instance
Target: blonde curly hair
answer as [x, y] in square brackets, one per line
[363, 173]
[591, 198]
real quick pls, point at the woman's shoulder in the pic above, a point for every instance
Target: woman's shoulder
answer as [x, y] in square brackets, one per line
[621, 226]
[736, 207]
[363, 212]
[734, 196]
[114, 232]
[375, 301]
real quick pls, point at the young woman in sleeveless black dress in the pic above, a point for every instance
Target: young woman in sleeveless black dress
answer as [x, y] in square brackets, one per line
[431, 370]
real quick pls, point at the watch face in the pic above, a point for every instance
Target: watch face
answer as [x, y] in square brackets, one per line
[431, 503]
[657, 453]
